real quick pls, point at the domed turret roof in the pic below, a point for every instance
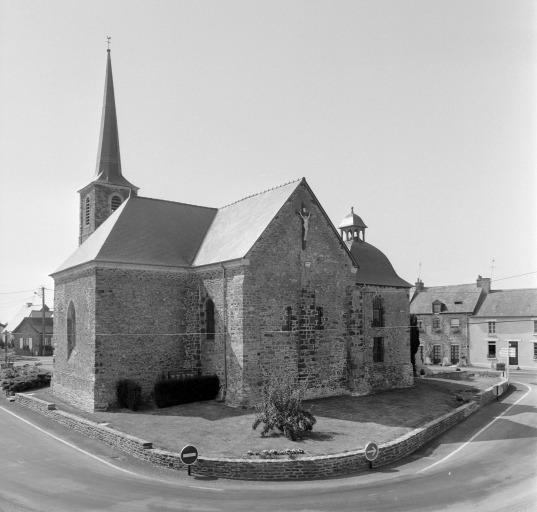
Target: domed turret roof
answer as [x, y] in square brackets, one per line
[352, 220]
[375, 267]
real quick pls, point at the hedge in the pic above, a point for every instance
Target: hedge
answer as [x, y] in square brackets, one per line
[193, 389]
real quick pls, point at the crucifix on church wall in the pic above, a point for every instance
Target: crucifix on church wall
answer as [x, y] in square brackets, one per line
[305, 215]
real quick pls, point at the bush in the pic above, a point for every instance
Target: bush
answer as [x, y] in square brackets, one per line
[281, 408]
[128, 394]
[193, 389]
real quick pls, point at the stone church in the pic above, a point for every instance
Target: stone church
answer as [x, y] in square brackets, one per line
[263, 287]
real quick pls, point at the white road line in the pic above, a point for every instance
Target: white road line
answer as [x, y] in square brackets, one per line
[94, 456]
[482, 430]
[69, 444]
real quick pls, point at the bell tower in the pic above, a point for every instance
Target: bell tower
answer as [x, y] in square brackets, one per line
[352, 227]
[109, 189]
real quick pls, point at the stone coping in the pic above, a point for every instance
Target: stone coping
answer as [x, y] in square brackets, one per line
[303, 468]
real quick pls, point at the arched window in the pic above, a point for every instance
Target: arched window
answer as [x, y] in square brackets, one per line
[71, 329]
[349, 234]
[87, 211]
[115, 202]
[378, 313]
[356, 233]
[209, 319]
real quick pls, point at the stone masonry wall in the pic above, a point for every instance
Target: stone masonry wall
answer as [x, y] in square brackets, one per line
[73, 378]
[147, 323]
[308, 341]
[99, 196]
[396, 369]
[445, 336]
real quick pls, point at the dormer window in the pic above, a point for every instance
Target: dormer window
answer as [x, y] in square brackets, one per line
[115, 202]
[437, 307]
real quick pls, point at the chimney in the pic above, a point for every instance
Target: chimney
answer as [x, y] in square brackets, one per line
[419, 285]
[483, 282]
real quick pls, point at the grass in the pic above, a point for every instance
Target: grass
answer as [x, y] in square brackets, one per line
[344, 423]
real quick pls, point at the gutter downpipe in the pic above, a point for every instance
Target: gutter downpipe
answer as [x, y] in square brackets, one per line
[224, 318]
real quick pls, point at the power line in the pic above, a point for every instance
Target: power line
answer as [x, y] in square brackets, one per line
[511, 277]
[22, 291]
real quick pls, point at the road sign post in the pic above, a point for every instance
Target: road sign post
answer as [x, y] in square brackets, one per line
[497, 391]
[189, 456]
[371, 453]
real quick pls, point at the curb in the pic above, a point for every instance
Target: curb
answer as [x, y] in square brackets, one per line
[305, 468]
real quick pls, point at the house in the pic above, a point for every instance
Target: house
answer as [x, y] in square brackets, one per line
[263, 287]
[28, 339]
[443, 314]
[30, 309]
[506, 318]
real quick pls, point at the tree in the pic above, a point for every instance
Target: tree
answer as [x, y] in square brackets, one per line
[414, 340]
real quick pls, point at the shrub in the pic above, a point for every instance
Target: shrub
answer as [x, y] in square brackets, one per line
[193, 389]
[23, 378]
[128, 394]
[281, 408]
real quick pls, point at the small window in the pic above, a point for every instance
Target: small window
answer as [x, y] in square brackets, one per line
[378, 350]
[87, 211]
[30, 340]
[209, 319]
[21, 341]
[492, 351]
[436, 323]
[535, 351]
[420, 325]
[437, 307]
[535, 327]
[289, 318]
[458, 302]
[492, 327]
[71, 329]
[115, 202]
[455, 322]
[378, 313]
[319, 318]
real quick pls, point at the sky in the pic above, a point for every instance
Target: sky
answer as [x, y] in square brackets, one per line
[419, 114]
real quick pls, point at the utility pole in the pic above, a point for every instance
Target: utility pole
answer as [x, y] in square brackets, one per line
[42, 348]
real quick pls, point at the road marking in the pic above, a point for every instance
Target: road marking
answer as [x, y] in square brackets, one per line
[94, 456]
[482, 430]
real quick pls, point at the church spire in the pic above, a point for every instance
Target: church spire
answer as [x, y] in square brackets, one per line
[108, 168]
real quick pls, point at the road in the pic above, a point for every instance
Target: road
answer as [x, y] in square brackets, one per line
[488, 462]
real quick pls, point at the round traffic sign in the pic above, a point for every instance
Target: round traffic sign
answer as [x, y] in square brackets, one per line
[497, 390]
[189, 455]
[371, 451]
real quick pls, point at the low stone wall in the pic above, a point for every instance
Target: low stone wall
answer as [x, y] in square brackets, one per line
[255, 469]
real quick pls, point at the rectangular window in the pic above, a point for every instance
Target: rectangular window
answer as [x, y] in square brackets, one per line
[21, 340]
[30, 343]
[378, 313]
[455, 322]
[436, 323]
[535, 327]
[420, 325]
[492, 327]
[47, 340]
[319, 318]
[535, 351]
[492, 351]
[437, 308]
[378, 350]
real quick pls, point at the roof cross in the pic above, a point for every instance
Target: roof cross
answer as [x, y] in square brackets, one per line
[108, 42]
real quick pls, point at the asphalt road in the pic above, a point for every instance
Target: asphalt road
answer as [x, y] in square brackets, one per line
[486, 463]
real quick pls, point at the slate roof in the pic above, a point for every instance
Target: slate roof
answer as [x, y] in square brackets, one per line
[237, 227]
[521, 302]
[147, 231]
[165, 233]
[468, 294]
[23, 313]
[375, 267]
[37, 324]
